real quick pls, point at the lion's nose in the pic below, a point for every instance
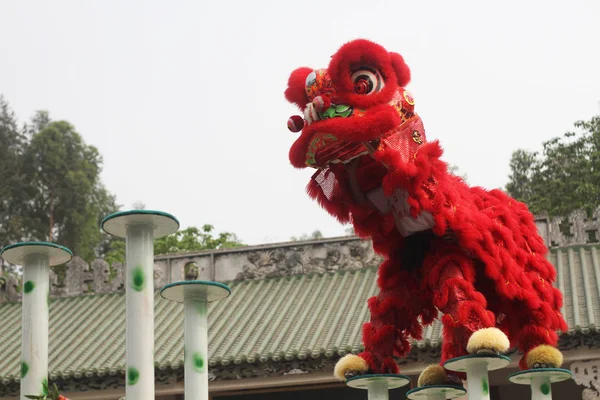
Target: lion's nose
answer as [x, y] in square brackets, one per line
[322, 103]
[313, 110]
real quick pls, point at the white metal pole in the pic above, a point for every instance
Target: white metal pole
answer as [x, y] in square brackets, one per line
[378, 390]
[541, 388]
[195, 296]
[196, 347]
[139, 228]
[478, 385]
[140, 311]
[34, 336]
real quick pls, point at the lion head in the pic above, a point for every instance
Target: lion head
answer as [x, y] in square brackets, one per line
[354, 107]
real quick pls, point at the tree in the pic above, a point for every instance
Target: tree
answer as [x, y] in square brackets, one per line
[50, 187]
[115, 252]
[453, 169]
[195, 239]
[39, 122]
[564, 177]
[67, 198]
[313, 236]
[522, 166]
[186, 240]
[138, 205]
[12, 193]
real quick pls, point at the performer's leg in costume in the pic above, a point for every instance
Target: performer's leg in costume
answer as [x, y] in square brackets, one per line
[394, 317]
[468, 324]
[538, 346]
[535, 330]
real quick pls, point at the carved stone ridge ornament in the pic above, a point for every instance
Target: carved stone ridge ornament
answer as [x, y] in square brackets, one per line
[587, 374]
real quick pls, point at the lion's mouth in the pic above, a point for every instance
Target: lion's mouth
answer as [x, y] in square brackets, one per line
[326, 147]
[338, 133]
[312, 114]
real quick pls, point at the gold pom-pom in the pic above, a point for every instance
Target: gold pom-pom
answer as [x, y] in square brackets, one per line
[349, 363]
[544, 356]
[433, 375]
[488, 339]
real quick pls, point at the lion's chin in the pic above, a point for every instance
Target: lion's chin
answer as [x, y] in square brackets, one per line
[339, 140]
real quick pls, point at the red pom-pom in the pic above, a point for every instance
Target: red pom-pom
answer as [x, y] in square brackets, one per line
[295, 123]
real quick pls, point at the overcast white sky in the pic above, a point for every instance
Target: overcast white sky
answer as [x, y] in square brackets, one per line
[184, 99]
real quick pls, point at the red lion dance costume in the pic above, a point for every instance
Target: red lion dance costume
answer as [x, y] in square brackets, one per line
[475, 256]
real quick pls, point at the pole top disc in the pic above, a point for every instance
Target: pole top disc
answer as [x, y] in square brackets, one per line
[393, 381]
[448, 391]
[116, 224]
[552, 374]
[491, 361]
[202, 290]
[16, 253]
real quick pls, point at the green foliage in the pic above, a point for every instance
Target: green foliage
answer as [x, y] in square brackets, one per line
[564, 177]
[39, 121]
[67, 198]
[50, 187]
[138, 205]
[453, 169]
[49, 393]
[13, 194]
[186, 240]
[116, 252]
[313, 236]
[523, 165]
[51, 190]
[194, 239]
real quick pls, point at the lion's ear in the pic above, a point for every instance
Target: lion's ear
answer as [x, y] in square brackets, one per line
[402, 70]
[296, 90]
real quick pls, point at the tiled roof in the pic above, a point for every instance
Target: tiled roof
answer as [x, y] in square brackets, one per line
[275, 319]
[578, 278]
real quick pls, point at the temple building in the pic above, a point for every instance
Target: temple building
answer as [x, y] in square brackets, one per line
[295, 309]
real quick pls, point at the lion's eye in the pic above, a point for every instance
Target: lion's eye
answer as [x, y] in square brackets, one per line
[367, 81]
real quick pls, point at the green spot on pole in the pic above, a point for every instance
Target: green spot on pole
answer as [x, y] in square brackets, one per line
[485, 386]
[132, 376]
[28, 287]
[198, 362]
[545, 388]
[201, 308]
[24, 369]
[138, 280]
